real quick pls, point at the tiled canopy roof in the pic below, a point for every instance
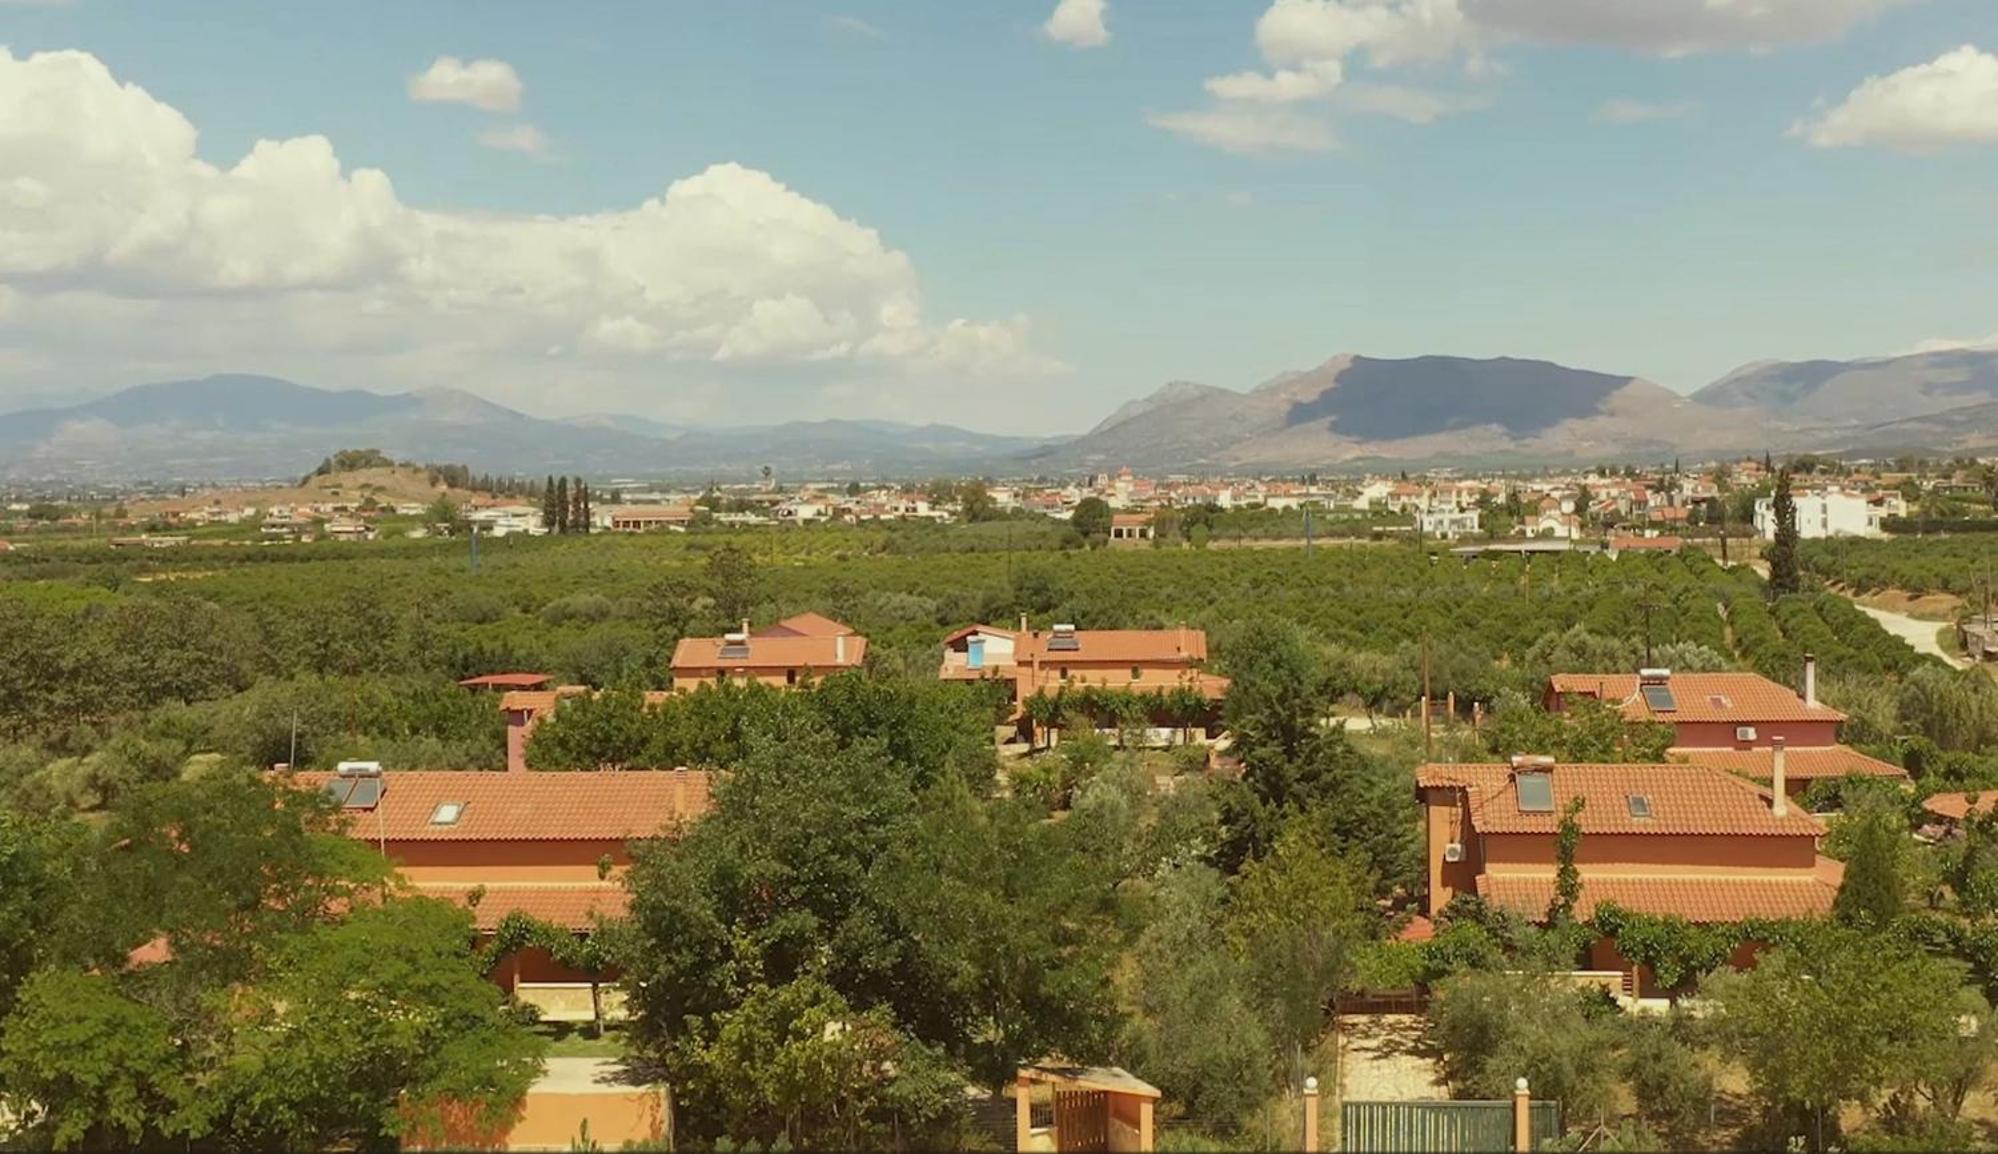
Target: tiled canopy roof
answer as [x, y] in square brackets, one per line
[572, 906]
[1956, 806]
[773, 653]
[1800, 763]
[805, 625]
[1122, 645]
[584, 806]
[1706, 898]
[1732, 698]
[1679, 799]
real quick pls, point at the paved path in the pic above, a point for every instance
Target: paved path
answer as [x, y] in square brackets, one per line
[1382, 1059]
[1916, 632]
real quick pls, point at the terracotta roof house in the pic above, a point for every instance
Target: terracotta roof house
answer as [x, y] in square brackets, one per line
[506, 681]
[1131, 527]
[1734, 721]
[1954, 807]
[1689, 841]
[536, 843]
[1043, 662]
[772, 658]
[806, 625]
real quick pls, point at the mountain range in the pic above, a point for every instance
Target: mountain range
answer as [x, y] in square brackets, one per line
[1351, 412]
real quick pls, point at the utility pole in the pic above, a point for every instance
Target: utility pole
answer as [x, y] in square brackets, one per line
[475, 548]
[1428, 739]
[1647, 605]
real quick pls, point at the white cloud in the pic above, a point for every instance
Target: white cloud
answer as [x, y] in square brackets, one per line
[854, 26]
[1310, 47]
[1675, 27]
[1284, 86]
[523, 138]
[1624, 110]
[1079, 23]
[1250, 128]
[122, 250]
[1390, 32]
[1949, 345]
[489, 84]
[1951, 100]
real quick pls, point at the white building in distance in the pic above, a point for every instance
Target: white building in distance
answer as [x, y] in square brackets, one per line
[1827, 513]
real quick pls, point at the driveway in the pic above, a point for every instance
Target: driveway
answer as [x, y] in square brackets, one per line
[1916, 632]
[1382, 1058]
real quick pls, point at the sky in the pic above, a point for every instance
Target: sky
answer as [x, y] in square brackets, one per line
[1011, 215]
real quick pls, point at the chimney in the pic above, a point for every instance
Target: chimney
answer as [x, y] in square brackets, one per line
[1810, 681]
[1779, 782]
[839, 649]
[745, 627]
[1023, 622]
[1182, 639]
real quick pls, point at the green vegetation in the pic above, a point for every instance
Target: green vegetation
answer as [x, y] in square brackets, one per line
[875, 915]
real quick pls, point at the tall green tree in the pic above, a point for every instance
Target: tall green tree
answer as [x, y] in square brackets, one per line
[733, 583]
[1874, 892]
[1091, 518]
[1784, 575]
[551, 508]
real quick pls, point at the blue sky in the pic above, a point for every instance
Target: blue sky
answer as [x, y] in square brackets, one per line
[983, 223]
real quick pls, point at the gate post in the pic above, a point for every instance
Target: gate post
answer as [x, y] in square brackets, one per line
[1522, 1118]
[1311, 1116]
[1023, 1111]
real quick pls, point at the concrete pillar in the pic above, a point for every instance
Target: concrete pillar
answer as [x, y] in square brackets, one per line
[1522, 1118]
[1311, 1116]
[1023, 1112]
[1145, 1125]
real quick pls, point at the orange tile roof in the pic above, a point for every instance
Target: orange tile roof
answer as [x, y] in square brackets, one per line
[574, 906]
[1684, 799]
[1733, 698]
[771, 653]
[1800, 763]
[805, 625]
[506, 681]
[538, 700]
[1711, 898]
[1646, 544]
[1136, 646]
[1956, 806]
[593, 805]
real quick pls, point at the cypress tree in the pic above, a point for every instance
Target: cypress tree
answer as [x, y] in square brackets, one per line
[1783, 574]
[1872, 894]
[550, 519]
[562, 505]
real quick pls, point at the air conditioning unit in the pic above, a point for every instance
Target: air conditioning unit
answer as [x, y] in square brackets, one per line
[1744, 733]
[1453, 852]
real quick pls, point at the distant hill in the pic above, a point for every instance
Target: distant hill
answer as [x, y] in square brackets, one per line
[1422, 409]
[237, 426]
[1847, 394]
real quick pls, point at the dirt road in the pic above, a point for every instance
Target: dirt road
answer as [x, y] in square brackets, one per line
[1916, 632]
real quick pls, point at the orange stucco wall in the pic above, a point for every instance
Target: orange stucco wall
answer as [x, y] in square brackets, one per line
[555, 1121]
[1684, 854]
[490, 862]
[1445, 821]
[688, 680]
[1720, 735]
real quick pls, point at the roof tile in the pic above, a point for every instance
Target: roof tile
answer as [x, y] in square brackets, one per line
[596, 805]
[1800, 763]
[1733, 698]
[1684, 799]
[1707, 899]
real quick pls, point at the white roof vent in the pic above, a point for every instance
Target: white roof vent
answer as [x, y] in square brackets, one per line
[360, 768]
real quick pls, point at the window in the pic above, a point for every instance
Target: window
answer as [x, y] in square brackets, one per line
[790, 677]
[1136, 673]
[1535, 792]
[1640, 805]
[1064, 673]
[447, 813]
[1719, 701]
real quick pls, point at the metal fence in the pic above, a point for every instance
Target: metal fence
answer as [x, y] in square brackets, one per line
[1440, 1127]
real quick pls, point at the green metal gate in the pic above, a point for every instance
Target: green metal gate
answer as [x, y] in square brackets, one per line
[1440, 1127]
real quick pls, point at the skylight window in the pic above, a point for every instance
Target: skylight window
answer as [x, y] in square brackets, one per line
[1659, 698]
[447, 813]
[1640, 805]
[1535, 791]
[1719, 701]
